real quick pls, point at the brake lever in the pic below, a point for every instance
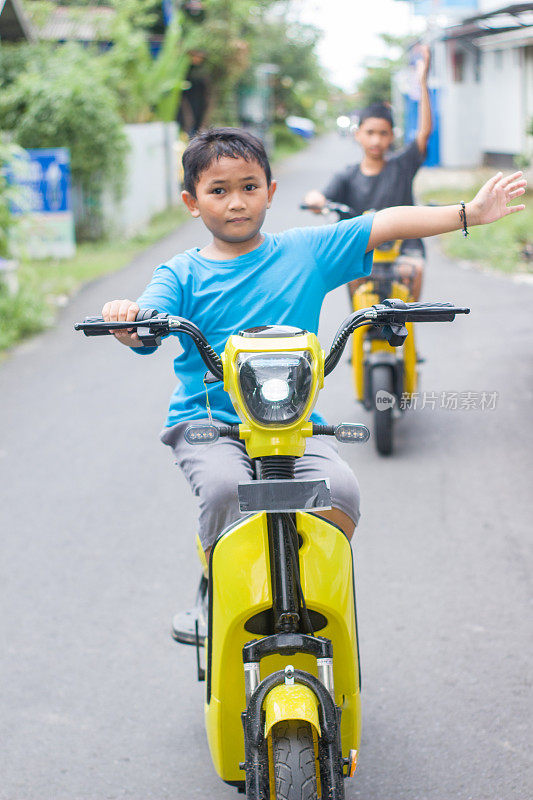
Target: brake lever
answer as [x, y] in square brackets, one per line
[210, 378]
[151, 330]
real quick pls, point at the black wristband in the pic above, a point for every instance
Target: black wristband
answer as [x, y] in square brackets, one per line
[462, 216]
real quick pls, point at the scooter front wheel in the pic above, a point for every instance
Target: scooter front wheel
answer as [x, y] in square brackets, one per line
[383, 397]
[295, 766]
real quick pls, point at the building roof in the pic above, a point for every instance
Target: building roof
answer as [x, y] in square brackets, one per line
[516, 17]
[73, 23]
[14, 24]
[516, 9]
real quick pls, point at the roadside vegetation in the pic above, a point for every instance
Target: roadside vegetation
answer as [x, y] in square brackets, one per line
[46, 285]
[506, 246]
[46, 100]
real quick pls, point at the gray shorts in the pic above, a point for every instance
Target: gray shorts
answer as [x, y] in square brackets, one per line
[214, 471]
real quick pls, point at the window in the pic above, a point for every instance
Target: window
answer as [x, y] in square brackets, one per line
[458, 66]
[478, 62]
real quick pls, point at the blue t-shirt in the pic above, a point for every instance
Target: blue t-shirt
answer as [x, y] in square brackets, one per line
[281, 282]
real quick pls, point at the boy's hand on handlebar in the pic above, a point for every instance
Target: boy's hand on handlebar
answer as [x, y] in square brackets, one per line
[123, 311]
[492, 201]
[315, 200]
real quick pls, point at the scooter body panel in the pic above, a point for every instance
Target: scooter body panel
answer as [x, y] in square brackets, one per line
[240, 589]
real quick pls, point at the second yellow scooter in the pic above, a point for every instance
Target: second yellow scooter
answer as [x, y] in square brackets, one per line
[385, 373]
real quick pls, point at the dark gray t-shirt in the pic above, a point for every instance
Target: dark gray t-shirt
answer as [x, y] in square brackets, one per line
[393, 186]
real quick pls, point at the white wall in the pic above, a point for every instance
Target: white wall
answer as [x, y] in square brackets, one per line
[503, 122]
[152, 183]
[528, 97]
[461, 108]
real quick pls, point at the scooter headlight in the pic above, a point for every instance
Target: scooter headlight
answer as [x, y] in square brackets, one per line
[275, 387]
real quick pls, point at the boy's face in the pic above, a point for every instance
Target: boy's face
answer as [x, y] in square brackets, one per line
[232, 197]
[375, 136]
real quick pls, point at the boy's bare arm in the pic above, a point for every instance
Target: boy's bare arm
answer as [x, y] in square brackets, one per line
[123, 311]
[424, 112]
[413, 222]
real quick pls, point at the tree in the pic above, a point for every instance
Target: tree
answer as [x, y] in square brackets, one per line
[376, 86]
[299, 84]
[52, 104]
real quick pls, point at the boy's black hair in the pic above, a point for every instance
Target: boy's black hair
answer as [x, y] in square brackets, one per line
[378, 111]
[218, 143]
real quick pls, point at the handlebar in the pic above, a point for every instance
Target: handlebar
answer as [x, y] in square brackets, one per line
[391, 314]
[151, 326]
[95, 326]
[343, 211]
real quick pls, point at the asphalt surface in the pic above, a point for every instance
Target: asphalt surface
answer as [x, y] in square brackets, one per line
[98, 702]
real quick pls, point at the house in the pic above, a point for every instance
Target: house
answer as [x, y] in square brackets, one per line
[53, 22]
[482, 79]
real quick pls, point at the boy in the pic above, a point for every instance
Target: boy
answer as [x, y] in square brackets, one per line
[245, 278]
[381, 181]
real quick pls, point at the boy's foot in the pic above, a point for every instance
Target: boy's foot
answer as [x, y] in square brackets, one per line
[186, 624]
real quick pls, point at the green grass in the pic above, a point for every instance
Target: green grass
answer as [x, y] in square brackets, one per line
[46, 284]
[498, 245]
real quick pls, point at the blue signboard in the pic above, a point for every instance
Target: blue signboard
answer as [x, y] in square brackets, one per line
[168, 11]
[44, 176]
[41, 178]
[411, 126]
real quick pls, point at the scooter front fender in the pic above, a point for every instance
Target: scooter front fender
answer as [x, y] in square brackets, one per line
[286, 702]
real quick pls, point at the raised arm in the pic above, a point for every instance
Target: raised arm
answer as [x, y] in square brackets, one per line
[413, 222]
[425, 123]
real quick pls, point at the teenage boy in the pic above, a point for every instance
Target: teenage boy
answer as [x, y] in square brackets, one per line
[383, 180]
[244, 278]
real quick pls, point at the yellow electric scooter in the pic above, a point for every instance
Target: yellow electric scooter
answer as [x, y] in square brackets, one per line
[282, 706]
[385, 377]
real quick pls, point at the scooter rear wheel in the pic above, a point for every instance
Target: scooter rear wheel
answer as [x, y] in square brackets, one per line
[383, 382]
[294, 761]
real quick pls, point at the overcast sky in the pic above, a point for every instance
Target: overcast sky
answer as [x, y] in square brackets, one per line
[351, 29]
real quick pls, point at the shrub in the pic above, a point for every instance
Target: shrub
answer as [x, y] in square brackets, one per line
[60, 100]
[7, 194]
[285, 140]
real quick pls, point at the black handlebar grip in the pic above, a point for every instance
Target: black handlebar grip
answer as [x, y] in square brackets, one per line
[436, 315]
[146, 313]
[94, 330]
[90, 325]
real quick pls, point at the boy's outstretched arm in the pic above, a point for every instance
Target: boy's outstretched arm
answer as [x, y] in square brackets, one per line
[425, 123]
[413, 222]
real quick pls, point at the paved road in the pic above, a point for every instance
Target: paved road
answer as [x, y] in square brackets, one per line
[97, 551]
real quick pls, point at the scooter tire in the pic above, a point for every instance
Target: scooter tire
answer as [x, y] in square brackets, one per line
[295, 767]
[382, 381]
